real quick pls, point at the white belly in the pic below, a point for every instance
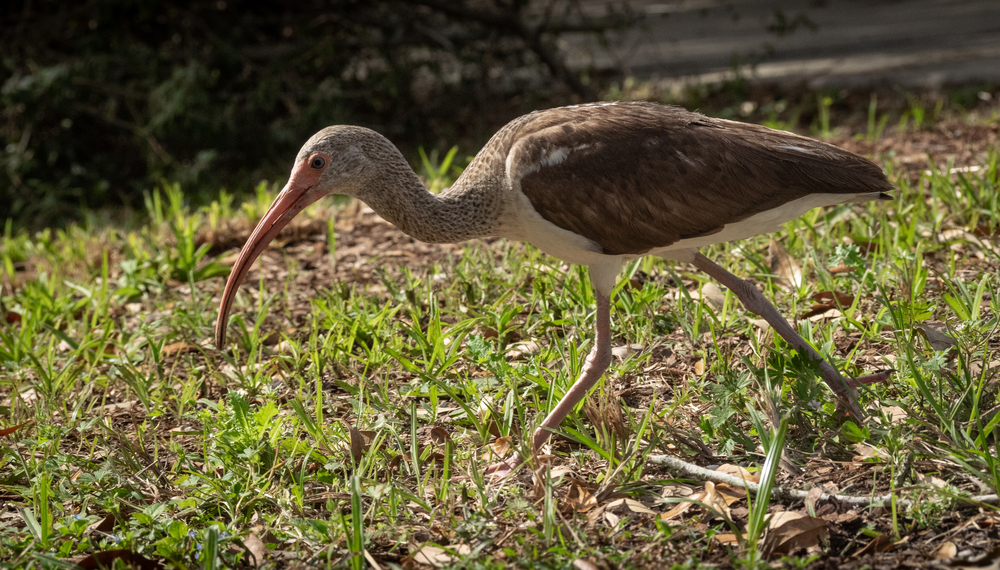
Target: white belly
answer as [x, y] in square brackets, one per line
[574, 248]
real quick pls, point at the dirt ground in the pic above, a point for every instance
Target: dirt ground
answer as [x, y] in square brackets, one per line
[368, 247]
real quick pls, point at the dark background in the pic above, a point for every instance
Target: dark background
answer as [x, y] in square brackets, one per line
[103, 100]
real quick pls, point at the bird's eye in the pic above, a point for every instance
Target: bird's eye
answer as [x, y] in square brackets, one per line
[317, 162]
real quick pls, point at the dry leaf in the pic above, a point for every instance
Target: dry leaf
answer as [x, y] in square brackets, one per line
[838, 269]
[629, 506]
[439, 557]
[937, 335]
[866, 246]
[727, 538]
[699, 367]
[930, 480]
[108, 558]
[579, 498]
[738, 472]
[620, 352]
[812, 496]
[357, 442]
[983, 230]
[819, 312]
[784, 267]
[440, 435]
[581, 564]
[501, 446]
[680, 508]
[711, 293]
[730, 494]
[895, 413]
[105, 525]
[523, 348]
[865, 452]
[946, 550]
[256, 546]
[716, 500]
[881, 543]
[833, 298]
[988, 561]
[178, 348]
[10, 430]
[13, 318]
[788, 531]
[712, 496]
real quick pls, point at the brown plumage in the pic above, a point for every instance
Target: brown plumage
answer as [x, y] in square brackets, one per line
[652, 178]
[596, 185]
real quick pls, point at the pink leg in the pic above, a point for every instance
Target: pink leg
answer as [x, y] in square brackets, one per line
[756, 303]
[597, 362]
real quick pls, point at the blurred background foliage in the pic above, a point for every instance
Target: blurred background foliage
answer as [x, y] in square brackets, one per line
[104, 99]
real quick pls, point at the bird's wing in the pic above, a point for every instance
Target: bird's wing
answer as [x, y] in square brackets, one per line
[633, 177]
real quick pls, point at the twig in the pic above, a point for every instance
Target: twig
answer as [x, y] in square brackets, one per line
[783, 492]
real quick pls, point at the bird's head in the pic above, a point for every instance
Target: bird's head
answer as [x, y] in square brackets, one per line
[336, 160]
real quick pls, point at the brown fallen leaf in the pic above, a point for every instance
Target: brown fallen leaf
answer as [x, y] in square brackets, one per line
[881, 543]
[866, 452]
[522, 349]
[629, 507]
[930, 480]
[737, 471]
[439, 557]
[579, 498]
[730, 494]
[109, 558]
[256, 547]
[784, 267]
[582, 564]
[501, 446]
[709, 495]
[10, 430]
[982, 230]
[833, 298]
[812, 496]
[440, 435]
[13, 318]
[177, 348]
[789, 530]
[987, 561]
[711, 293]
[105, 525]
[727, 538]
[820, 312]
[867, 247]
[838, 269]
[946, 550]
[357, 442]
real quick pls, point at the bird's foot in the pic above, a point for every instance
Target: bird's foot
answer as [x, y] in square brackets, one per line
[503, 469]
[848, 407]
[880, 376]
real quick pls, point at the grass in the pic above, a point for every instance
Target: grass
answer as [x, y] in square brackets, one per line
[351, 419]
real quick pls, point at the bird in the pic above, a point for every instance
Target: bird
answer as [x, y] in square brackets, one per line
[599, 185]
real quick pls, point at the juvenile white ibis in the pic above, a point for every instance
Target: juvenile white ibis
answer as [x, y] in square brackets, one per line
[596, 185]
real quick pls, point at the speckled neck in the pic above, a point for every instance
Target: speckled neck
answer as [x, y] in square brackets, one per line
[463, 212]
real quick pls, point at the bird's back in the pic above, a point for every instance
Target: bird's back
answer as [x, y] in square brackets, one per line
[635, 177]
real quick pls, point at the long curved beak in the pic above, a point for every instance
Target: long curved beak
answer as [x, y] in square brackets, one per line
[292, 200]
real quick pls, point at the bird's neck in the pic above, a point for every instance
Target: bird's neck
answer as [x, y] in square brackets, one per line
[463, 212]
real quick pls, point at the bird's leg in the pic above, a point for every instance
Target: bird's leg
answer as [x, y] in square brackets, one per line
[756, 303]
[597, 362]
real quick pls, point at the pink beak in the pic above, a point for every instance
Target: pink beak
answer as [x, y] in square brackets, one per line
[294, 197]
